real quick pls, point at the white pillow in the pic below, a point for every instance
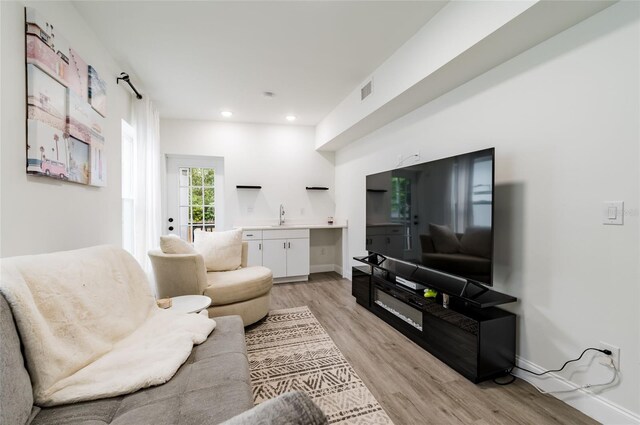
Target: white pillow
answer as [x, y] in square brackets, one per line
[172, 244]
[222, 251]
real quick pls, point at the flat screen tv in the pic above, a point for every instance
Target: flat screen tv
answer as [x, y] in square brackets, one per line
[436, 214]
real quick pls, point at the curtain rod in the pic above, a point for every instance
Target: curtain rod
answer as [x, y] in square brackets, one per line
[125, 77]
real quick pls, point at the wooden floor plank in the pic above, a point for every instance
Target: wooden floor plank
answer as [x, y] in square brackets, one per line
[411, 385]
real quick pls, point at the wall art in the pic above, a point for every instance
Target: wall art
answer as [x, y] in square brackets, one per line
[66, 108]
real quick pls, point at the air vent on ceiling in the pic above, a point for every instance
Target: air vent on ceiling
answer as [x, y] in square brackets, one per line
[366, 90]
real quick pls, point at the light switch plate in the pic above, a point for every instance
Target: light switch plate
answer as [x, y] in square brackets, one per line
[613, 212]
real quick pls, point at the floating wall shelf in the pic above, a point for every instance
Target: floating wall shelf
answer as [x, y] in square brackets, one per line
[317, 188]
[248, 187]
[377, 190]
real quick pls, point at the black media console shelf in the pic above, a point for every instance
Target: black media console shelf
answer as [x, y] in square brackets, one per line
[479, 343]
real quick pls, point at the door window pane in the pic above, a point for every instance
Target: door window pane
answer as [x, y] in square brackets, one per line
[183, 174]
[196, 196]
[209, 215]
[196, 215]
[184, 196]
[196, 176]
[208, 176]
[208, 196]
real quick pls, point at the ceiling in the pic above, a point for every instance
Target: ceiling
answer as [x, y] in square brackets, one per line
[196, 59]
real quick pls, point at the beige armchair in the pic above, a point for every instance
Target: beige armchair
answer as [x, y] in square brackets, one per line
[245, 291]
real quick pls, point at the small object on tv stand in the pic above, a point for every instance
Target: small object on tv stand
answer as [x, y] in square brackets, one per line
[410, 284]
[445, 300]
[164, 303]
[430, 293]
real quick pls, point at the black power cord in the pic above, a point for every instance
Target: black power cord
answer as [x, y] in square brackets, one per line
[607, 352]
[512, 379]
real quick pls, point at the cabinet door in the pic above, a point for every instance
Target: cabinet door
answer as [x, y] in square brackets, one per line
[274, 256]
[377, 243]
[297, 257]
[254, 257]
[395, 245]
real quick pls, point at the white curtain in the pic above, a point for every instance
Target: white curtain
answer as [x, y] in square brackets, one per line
[147, 203]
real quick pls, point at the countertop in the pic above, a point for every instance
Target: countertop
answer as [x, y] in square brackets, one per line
[293, 226]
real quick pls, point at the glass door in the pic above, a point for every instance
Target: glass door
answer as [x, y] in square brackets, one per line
[194, 187]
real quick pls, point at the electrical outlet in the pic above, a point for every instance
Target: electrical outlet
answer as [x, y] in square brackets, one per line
[605, 360]
[615, 353]
[249, 210]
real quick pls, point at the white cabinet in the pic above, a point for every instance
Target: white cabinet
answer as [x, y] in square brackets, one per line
[284, 251]
[274, 257]
[254, 240]
[254, 257]
[297, 257]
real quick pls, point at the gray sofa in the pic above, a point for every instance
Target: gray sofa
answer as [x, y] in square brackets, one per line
[211, 387]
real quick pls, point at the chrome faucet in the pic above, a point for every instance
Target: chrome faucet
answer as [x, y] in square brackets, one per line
[281, 221]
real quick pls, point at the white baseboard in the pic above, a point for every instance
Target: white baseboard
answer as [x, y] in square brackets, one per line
[291, 279]
[593, 405]
[323, 268]
[338, 269]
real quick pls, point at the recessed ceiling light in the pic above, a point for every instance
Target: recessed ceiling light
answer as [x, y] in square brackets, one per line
[291, 117]
[226, 114]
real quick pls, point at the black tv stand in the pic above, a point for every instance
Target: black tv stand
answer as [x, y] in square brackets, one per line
[472, 336]
[482, 289]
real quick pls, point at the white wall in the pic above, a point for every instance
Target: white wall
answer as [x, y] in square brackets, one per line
[280, 158]
[454, 29]
[41, 214]
[564, 118]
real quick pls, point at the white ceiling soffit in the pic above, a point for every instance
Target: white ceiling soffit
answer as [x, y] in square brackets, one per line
[464, 40]
[198, 58]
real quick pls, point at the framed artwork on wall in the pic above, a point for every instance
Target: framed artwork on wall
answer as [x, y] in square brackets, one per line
[66, 108]
[46, 99]
[97, 92]
[47, 150]
[78, 76]
[79, 166]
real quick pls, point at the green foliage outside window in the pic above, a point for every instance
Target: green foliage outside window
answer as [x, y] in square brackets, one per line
[202, 195]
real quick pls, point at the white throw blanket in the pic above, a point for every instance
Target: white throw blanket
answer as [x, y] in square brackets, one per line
[90, 325]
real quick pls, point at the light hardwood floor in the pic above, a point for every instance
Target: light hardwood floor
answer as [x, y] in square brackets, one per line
[411, 385]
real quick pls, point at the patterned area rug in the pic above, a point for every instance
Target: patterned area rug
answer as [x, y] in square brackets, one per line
[291, 351]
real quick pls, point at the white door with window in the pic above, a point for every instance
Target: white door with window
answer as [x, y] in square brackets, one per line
[194, 188]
